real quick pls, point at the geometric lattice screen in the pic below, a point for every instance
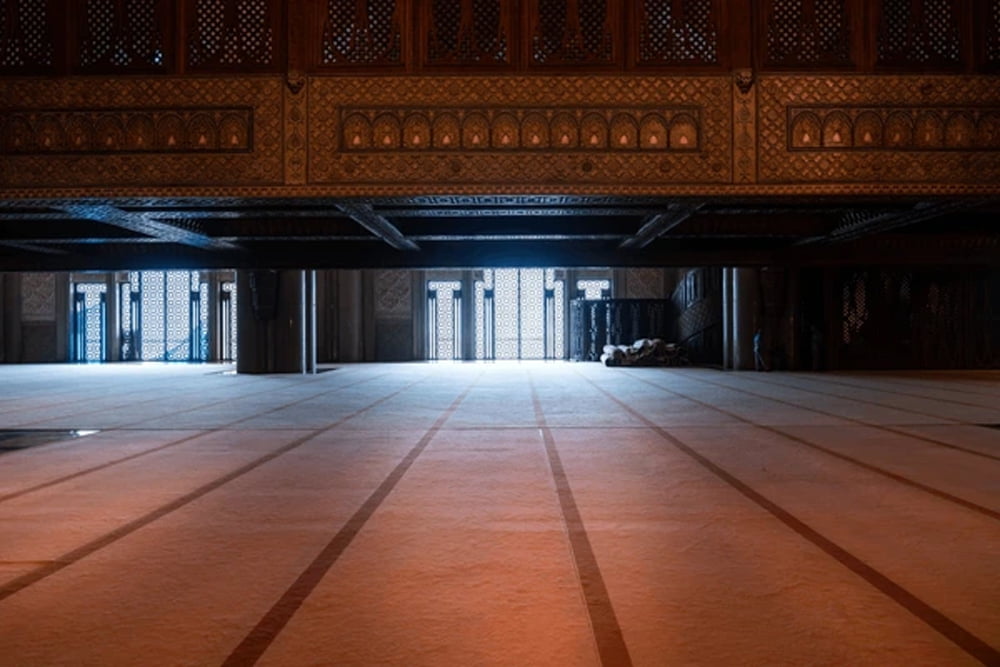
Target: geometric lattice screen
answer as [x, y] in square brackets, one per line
[520, 314]
[679, 32]
[25, 40]
[919, 32]
[807, 33]
[468, 32]
[125, 35]
[232, 33]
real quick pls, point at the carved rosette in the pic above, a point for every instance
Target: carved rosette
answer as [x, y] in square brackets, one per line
[296, 148]
[141, 132]
[745, 127]
[869, 130]
[519, 130]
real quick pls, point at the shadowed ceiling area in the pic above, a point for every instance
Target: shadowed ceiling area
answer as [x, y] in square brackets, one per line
[505, 230]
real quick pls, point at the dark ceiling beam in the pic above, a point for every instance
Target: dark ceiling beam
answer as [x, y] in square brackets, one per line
[143, 224]
[860, 223]
[494, 212]
[31, 247]
[365, 215]
[656, 226]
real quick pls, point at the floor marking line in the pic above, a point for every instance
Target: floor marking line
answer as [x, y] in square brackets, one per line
[944, 495]
[20, 583]
[950, 629]
[604, 622]
[922, 438]
[108, 464]
[833, 379]
[260, 638]
[132, 404]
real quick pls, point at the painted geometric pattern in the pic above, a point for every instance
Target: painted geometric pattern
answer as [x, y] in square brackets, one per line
[644, 283]
[393, 294]
[38, 297]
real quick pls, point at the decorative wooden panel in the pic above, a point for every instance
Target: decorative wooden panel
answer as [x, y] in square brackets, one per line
[990, 25]
[678, 32]
[547, 130]
[578, 32]
[149, 132]
[921, 33]
[466, 33]
[243, 35]
[125, 36]
[866, 129]
[363, 33]
[26, 38]
[116, 131]
[806, 33]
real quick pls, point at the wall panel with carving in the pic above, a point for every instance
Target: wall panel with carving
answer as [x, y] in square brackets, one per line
[141, 132]
[869, 130]
[520, 130]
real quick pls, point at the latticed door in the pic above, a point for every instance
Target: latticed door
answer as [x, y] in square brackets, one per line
[89, 321]
[444, 319]
[520, 314]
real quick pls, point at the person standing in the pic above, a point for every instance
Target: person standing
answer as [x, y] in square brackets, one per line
[758, 357]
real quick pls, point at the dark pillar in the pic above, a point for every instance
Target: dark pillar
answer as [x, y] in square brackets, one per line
[745, 320]
[274, 322]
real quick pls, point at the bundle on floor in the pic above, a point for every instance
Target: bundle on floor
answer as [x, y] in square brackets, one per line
[644, 352]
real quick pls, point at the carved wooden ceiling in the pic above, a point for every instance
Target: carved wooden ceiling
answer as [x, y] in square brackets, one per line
[497, 132]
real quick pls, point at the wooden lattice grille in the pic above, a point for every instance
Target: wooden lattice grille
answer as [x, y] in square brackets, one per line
[469, 32]
[125, 35]
[581, 32]
[992, 26]
[25, 37]
[362, 32]
[232, 33]
[679, 32]
[807, 33]
[919, 32]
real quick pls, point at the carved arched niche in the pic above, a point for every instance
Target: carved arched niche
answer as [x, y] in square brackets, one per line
[899, 130]
[505, 131]
[837, 130]
[594, 132]
[564, 131]
[357, 132]
[386, 132]
[684, 133]
[446, 131]
[624, 132]
[417, 132]
[868, 130]
[806, 130]
[535, 131]
[653, 132]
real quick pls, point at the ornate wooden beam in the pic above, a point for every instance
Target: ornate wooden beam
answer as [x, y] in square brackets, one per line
[861, 223]
[365, 215]
[144, 223]
[658, 225]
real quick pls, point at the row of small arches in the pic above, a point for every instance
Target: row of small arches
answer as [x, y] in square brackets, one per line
[125, 131]
[897, 130]
[509, 131]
